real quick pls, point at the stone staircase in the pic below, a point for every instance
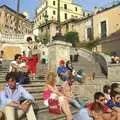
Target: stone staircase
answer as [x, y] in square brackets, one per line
[88, 63]
[88, 88]
[36, 89]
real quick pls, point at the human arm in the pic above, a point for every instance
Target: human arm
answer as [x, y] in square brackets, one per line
[25, 94]
[54, 90]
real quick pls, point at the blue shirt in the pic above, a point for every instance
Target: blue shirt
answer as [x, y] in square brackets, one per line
[7, 96]
[110, 104]
[60, 70]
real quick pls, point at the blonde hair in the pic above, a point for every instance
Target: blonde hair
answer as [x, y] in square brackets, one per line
[50, 79]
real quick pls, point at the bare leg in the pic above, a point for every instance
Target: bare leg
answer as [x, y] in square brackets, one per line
[2, 117]
[65, 107]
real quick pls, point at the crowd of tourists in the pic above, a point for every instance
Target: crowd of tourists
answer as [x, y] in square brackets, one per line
[106, 104]
[16, 102]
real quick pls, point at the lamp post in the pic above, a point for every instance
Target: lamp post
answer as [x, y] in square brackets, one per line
[58, 35]
[46, 22]
[18, 6]
[17, 21]
[58, 18]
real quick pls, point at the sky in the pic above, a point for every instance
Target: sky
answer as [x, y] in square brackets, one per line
[30, 6]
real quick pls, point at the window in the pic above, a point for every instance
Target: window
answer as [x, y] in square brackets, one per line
[89, 34]
[53, 2]
[75, 8]
[67, 27]
[103, 29]
[65, 6]
[53, 12]
[65, 15]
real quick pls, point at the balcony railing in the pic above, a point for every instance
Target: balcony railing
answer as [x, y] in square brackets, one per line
[12, 38]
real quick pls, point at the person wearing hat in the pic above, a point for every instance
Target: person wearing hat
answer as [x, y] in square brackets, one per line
[62, 70]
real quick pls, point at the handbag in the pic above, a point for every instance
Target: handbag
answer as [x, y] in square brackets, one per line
[54, 106]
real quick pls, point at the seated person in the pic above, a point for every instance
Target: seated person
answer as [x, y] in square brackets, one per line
[67, 91]
[62, 70]
[98, 110]
[106, 91]
[14, 98]
[20, 68]
[115, 100]
[78, 76]
[51, 92]
[115, 59]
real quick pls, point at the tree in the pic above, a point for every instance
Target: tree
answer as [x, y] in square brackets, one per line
[90, 44]
[72, 37]
[43, 38]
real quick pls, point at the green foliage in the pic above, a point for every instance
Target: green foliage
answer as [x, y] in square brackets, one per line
[43, 38]
[72, 37]
[90, 44]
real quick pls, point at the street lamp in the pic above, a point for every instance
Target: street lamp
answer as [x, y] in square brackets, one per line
[58, 18]
[18, 9]
[46, 22]
[18, 6]
[58, 35]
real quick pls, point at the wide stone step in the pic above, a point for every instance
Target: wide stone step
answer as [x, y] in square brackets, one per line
[45, 115]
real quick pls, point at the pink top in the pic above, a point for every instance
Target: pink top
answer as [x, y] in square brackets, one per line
[46, 94]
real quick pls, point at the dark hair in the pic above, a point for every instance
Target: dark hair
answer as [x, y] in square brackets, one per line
[97, 107]
[97, 95]
[113, 93]
[113, 86]
[106, 88]
[10, 75]
[17, 56]
[29, 39]
[68, 67]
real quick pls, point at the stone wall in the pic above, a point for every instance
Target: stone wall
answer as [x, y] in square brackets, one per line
[88, 88]
[114, 73]
[58, 50]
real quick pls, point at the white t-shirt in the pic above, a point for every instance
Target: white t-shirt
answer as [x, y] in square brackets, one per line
[13, 62]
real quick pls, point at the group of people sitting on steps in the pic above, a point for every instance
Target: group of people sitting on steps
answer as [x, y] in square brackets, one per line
[106, 104]
[15, 101]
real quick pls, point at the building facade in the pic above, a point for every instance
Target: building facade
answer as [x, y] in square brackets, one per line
[105, 23]
[48, 8]
[102, 24]
[13, 22]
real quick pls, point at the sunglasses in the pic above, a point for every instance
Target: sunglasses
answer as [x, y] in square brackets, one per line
[102, 100]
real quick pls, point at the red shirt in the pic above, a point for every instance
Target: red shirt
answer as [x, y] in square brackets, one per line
[91, 107]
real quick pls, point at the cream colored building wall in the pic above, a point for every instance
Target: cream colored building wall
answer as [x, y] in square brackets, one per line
[49, 7]
[80, 27]
[112, 17]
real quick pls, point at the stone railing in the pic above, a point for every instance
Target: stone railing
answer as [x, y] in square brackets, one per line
[86, 54]
[102, 62]
[12, 38]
